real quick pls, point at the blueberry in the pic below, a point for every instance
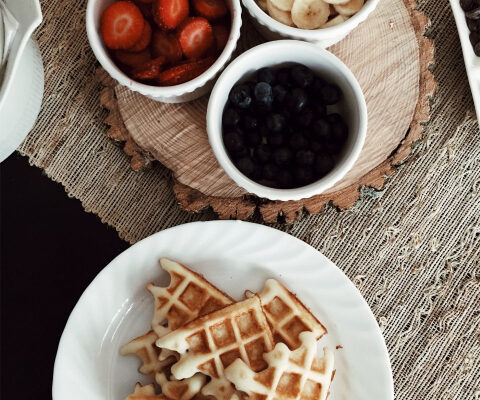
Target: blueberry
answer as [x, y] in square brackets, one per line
[316, 86]
[474, 38]
[233, 142]
[333, 147]
[267, 182]
[473, 24]
[257, 173]
[263, 94]
[283, 77]
[320, 110]
[282, 156]
[330, 94]
[266, 75]
[253, 138]
[297, 99]
[322, 130]
[285, 179]
[305, 118]
[324, 164]
[302, 76]
[316, 147]
[245, 165]
[474, 13]
[275, 139]
[241, 96]
[263, 153]
[305, 157]
[303, 175]
[275, 122]
[298, 141]
[263, 131]
[270, 171]
[249, 122]
[467, 5]
[231, 117]
[279, 94]
[339, 131]
[334, 118]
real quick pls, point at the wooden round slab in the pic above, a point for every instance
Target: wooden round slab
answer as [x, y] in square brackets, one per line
[390, 58]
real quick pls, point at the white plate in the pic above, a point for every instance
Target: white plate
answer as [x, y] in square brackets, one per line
[235, 256]
[472, 62]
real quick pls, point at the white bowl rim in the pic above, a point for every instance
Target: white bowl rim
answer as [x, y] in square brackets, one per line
[107, 63]
[314, 188]
[311, 34]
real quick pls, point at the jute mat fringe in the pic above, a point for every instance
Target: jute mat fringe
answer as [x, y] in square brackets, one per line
[413, 249]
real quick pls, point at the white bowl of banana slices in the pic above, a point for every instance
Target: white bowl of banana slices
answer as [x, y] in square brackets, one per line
[324, 22]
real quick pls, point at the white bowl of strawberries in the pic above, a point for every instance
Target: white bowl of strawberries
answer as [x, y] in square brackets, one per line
[168, 50]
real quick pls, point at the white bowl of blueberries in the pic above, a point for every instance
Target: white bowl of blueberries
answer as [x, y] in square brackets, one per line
[286, 120]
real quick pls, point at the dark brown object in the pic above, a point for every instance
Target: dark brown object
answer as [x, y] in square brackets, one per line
[473, 14]
[473, 25]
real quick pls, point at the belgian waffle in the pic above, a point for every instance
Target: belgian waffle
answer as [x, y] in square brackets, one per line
[212, 342]
[144, 347]
[185, 389]
[187, 297]
[287, 315]
[291, 375]
[146, 392]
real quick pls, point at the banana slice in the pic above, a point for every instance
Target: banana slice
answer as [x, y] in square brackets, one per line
[349, 8]
[335, 21]
[284, 5]
[262, 4]
[336, 1]
[310, 14]
[281, 16]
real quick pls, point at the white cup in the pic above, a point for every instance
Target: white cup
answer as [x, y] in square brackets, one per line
[271, 29]
[328, 66]
[182, 93]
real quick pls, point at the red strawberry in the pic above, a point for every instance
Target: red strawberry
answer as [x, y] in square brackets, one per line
[221, 33]
[184, 72]
[144, 1]
[149, 70]
[121, 25]
[144, 40]
[210, 9]
[132, 59]
[195, 37]
[168, 14]
[166, 44]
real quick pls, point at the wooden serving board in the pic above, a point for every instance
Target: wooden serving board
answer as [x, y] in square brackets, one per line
[388, 54]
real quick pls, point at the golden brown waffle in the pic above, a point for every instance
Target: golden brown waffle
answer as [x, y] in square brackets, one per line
[291, 375]
[185, 389]
[287, 315]
[146, 392]
[144, 347]
[187, 297]
[212, 342]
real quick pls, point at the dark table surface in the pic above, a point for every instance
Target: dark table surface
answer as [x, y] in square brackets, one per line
[51, 249]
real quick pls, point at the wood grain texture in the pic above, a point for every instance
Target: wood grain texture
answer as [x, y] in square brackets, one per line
[397, 92]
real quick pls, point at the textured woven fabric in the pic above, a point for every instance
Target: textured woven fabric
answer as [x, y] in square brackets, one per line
[413, 249]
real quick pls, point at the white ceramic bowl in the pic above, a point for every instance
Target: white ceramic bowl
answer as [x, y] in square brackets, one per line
[275, 54]
[273, 30]
[169, 94]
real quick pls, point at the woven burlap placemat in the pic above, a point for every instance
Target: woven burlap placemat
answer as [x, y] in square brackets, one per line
[413, 249]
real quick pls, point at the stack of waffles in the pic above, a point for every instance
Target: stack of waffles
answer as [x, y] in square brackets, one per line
[205, 346]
